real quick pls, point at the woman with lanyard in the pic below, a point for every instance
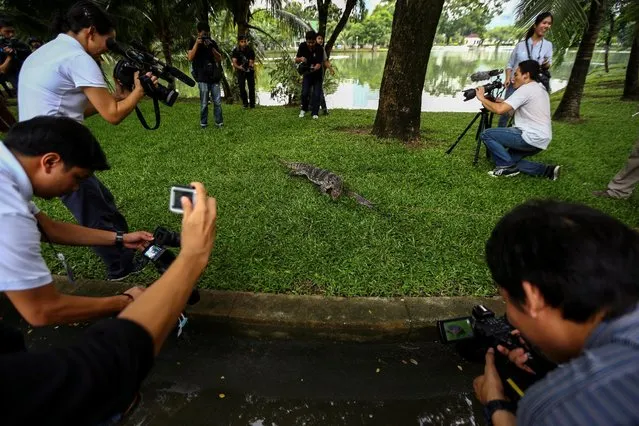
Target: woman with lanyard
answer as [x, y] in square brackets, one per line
[534, 47]
[63, 78]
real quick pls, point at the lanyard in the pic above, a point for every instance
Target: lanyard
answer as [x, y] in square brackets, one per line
[533, 47]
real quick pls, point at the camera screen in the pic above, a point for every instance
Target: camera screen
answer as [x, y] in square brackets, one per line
[177, 199]
[460, 329]
[153, 252]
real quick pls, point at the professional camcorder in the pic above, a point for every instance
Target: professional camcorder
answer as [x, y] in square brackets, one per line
[136, 59]
[475, 334]
[488, 88]
[161, 257]
[20, 50]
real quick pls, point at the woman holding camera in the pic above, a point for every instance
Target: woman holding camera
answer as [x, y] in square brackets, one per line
[63, 78]
[535, 47]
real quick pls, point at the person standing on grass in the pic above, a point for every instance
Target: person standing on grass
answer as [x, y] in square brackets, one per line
[623, 184]
[63, 78]
[533, 47]
[207, 70]
[311, 55]
[244, 63]
[326, 65]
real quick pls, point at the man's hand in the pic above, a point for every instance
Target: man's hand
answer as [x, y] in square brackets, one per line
[489, 387]
[507, 83]
[480, 93]
[517, 356]
[303, 59]
[137, 240]
[316, 67]
[137, 85]
[134, 292]
[198, 224]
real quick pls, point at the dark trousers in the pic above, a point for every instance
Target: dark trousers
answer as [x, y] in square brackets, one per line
[247, 77]
[312, 90]
[93, 206]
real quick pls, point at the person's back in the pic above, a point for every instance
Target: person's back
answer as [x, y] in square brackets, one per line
[532, 114]
[52, 78]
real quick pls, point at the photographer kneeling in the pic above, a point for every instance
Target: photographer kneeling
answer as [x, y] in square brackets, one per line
[531, 132]
[569, 276]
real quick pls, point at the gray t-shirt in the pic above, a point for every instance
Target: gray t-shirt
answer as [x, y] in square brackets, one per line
[532, 114]
[21, 264]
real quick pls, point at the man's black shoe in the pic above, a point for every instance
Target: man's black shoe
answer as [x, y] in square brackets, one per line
[504, 171]
[325, 111]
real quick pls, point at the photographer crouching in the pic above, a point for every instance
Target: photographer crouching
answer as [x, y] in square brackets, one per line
[568, 274]
[531, 132]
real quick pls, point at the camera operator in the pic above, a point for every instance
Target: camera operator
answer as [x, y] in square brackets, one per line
[12, 54]
[62, 78]
[95, 380]
[207, 71]
[48, 157]
[568, 275]
[531, 132]
[244, 63]
[312, 55]
[533, 47]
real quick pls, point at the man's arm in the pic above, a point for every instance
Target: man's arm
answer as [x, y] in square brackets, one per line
[489, 387]
[4, 67]
[190, 55]
[45, 305]
[496, 107]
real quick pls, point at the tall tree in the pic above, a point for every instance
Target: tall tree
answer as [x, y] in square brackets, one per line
[400, 96]
[569, 106]
[631, 83]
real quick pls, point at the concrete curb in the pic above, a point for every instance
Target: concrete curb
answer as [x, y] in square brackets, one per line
[311, 317]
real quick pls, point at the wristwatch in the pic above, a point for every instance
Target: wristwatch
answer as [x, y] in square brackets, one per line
[119, 239]
[496, 405]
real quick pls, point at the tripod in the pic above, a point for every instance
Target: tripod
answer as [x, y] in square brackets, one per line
[485, 122]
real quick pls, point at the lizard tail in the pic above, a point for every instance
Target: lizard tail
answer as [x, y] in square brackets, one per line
[361, 200]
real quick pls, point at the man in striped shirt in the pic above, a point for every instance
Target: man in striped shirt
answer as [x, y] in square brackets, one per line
[570, 278]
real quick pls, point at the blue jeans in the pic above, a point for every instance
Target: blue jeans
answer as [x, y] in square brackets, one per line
[210, 91]
[508, 148]
[503, 119]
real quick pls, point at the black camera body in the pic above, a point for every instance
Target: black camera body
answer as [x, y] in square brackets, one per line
[162, 258]
[125, 70]
[488, 90]
[20, 50]
[207, 40]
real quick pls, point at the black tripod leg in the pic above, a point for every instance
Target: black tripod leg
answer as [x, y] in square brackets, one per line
[463, 133]
[482, 126]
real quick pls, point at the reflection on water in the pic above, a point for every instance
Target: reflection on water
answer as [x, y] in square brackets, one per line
[360, 76]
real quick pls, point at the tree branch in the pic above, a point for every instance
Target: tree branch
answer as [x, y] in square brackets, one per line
[348, 9]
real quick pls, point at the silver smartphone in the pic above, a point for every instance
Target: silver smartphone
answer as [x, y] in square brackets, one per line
[177, 192]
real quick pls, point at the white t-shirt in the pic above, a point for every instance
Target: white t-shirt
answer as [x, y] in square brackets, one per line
[532, 114]
[21, 264]
[52, 78]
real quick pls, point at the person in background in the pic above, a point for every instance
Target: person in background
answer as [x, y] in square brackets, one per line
[326, 65]
[244, 64]
[533, 47]
[311, 55]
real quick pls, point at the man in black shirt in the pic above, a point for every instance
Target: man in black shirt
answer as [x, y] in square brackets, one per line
[243, 63]
[310, 57]
[207, 71]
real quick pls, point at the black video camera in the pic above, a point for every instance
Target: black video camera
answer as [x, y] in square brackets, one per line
[162, 257]
[474, 335]
[488, 89]
[137, 59]
[20, 50]
[207, 40]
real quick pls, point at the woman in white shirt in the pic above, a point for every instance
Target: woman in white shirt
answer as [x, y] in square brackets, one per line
[534, 46]
[62, 78]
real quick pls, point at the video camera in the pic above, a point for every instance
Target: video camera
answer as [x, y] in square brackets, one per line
[136, 59]
[475, 334]
[488, 88]
[20, 50]
[161, 257]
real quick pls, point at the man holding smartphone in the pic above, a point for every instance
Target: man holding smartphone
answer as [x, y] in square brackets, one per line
[49, 157]
[568, 275]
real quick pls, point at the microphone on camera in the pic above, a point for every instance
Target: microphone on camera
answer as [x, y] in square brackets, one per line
[485, 75]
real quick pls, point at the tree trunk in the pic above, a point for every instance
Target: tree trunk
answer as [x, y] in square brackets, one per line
[348, 9]
[322, 11]
[242, 9]
[203, 11]
[631, 85]
[569, 106]
[611, 18]
[400, 95]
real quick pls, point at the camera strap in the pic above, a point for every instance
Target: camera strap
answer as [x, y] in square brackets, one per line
[58, 256]
[156, 107]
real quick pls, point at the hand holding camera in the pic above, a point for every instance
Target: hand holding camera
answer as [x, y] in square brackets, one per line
[519, 355]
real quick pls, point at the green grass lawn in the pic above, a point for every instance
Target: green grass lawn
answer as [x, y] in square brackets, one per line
[278, 234]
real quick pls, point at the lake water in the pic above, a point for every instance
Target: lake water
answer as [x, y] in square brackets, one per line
[359, 76]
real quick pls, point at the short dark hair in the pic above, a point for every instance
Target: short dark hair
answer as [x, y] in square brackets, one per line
[531, 67]
[318, 34]
[581, 260]
[203, 26]
[242, 37]
[83, 14]
[4, 22]
[311, 35]
[75, 143]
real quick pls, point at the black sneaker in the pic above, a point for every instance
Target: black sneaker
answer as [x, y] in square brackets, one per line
[553, 172]
[325, 111]
[137, 265]
[504, 171]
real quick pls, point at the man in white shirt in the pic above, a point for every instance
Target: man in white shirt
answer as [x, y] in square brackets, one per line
[531, 132]
[49, 157]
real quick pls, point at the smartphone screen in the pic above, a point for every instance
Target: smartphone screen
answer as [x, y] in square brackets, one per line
[153, 252]
[177, 198]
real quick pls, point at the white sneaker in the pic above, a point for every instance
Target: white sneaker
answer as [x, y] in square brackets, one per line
[315, 117]
[302, 114]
